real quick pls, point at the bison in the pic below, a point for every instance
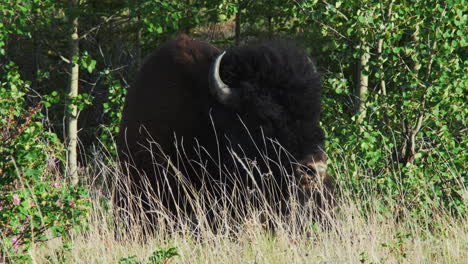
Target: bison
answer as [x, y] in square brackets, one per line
[199, 111]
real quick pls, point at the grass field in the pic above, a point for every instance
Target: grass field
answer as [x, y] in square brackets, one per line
[355, 235]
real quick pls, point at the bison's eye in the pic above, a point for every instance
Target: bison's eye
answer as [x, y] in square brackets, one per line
[309, 170]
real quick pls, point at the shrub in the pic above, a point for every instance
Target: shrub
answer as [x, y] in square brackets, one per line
[159, 256]
[34, 205]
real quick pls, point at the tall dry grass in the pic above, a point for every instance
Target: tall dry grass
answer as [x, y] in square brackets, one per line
[353, 235]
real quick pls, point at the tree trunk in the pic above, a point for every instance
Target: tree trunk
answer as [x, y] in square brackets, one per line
[415, 38]
[383, 86]
[411, 132]
[72, 111]
[363, 84]
[138, 44]
[238, 27]
[270, 27]
[186, 25]
[35, 37]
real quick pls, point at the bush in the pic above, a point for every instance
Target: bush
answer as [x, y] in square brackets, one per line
[34, 205]
[395, 89]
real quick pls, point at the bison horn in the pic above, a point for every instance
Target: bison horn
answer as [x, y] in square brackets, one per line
[221, 90]
[311, 62]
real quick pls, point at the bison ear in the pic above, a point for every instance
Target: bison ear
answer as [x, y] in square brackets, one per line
[223, 93]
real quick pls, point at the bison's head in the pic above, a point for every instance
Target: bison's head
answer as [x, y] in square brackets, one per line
[273, 91]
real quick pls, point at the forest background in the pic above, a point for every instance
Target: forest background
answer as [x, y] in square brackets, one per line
[393, 72]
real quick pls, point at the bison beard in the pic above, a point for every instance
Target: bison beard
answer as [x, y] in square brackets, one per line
[210, 116]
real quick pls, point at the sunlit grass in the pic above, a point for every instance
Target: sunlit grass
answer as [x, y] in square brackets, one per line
[356, 235]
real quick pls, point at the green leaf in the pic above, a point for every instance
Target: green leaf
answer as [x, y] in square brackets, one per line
[159, 30]
[222, 17]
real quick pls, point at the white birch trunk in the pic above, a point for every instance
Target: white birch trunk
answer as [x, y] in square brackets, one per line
[72, 120]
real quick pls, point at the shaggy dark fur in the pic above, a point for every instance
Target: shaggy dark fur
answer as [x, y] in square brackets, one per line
[279, 91]
[278, 101]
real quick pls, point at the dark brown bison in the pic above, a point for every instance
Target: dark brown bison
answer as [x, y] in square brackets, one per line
[215, 113]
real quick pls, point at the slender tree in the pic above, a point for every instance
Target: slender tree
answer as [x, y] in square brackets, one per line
[237, 35]
[363, 80]
[380, 43]
[72, 117]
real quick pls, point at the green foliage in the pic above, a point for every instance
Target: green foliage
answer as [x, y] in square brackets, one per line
[87, 62]
[160, 256]
[161, 19]
[20, 18]
[415, 120]
[270, 18]
[410, 146]
[363, 258]
[398, 247]
[34, 205]
[113, 110]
